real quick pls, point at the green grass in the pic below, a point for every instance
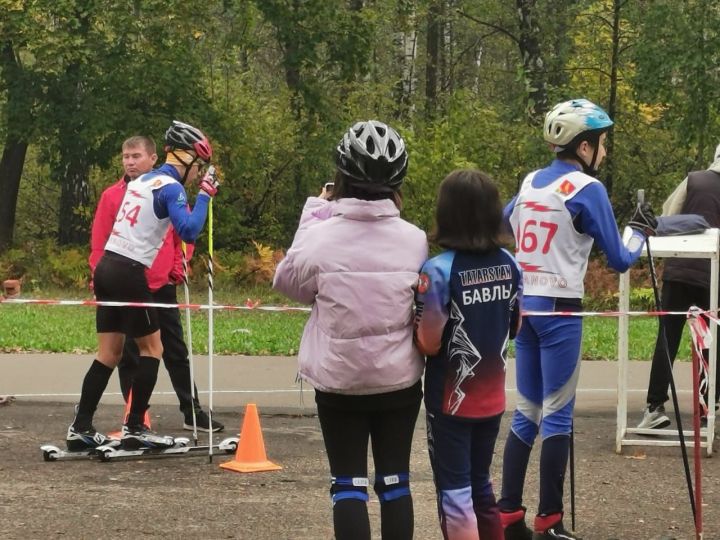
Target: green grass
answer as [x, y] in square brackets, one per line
[72, 329]
[600, 337]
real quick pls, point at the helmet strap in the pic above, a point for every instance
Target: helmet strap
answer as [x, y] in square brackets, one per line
[187, 166]
[588, 168]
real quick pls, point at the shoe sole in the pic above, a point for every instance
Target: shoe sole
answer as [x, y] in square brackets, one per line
[79, 446]
[137, 444]
[189, 427]
[662, 423]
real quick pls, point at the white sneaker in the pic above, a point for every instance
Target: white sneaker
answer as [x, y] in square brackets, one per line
[654, 418]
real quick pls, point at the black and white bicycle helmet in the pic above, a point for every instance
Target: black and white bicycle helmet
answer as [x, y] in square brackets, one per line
[373, 156]
[187, 137]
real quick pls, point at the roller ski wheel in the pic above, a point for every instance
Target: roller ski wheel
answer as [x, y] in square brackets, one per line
[103, 452]
[50, 452]
[229, 445]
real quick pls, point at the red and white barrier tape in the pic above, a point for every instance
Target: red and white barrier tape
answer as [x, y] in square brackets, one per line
[251, 305]
[701, 339]
[602, 313]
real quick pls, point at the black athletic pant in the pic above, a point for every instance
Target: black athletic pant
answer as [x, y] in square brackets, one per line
[676, 296]
[388, 422]
[175, 352]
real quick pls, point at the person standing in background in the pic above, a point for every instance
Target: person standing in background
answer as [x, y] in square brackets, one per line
[686, 283]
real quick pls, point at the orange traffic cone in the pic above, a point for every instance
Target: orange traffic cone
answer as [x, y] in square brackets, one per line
[128, 404]
[250, 455]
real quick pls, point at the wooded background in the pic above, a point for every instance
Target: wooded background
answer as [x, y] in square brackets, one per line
[275, 83]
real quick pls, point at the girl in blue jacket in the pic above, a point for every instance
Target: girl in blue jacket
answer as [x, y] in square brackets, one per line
[468, 308]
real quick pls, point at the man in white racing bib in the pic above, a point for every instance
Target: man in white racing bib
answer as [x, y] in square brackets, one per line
[151, 203]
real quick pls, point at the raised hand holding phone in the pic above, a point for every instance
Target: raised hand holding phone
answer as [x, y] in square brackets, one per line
[327, 190]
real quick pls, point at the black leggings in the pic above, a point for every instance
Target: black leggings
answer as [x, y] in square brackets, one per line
[175, 353]
[388, 422]
[676, 296]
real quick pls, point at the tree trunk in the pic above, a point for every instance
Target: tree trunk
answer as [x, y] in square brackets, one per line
[612, 101]
[433, 56]
[71, 169]
[17, 118]
[533, 64]
[447, 51]
[406, 50]
[74, 201]
[11, 167]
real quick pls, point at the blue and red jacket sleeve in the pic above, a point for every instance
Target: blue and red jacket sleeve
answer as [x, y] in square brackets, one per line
[432, 303]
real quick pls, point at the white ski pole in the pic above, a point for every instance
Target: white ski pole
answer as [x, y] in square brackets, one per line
[210, 327]
[188, 329]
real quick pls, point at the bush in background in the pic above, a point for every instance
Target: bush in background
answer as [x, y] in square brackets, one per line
[602, 284]
[42, 265]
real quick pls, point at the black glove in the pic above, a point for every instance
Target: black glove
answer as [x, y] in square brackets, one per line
[643, 220]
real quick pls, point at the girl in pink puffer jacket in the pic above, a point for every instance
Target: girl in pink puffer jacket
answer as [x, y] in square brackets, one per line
[356, 262]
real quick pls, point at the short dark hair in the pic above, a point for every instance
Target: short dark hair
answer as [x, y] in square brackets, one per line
[344, 189]
[469, 214]
[592, 136]
[141, 140]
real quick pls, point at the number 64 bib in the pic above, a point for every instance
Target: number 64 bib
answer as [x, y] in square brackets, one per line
[552, 254]
[138, 233]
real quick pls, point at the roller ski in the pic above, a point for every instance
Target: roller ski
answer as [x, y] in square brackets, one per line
[81, 443]
[180, 447]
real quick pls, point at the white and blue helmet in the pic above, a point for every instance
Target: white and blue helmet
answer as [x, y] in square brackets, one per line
[569, 119]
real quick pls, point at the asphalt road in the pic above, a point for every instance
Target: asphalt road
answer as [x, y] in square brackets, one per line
[639, 494]
[270, 381]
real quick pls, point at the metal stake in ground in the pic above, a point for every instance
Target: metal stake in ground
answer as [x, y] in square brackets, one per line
[188, 330]
[697, 362]
[673, 389]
